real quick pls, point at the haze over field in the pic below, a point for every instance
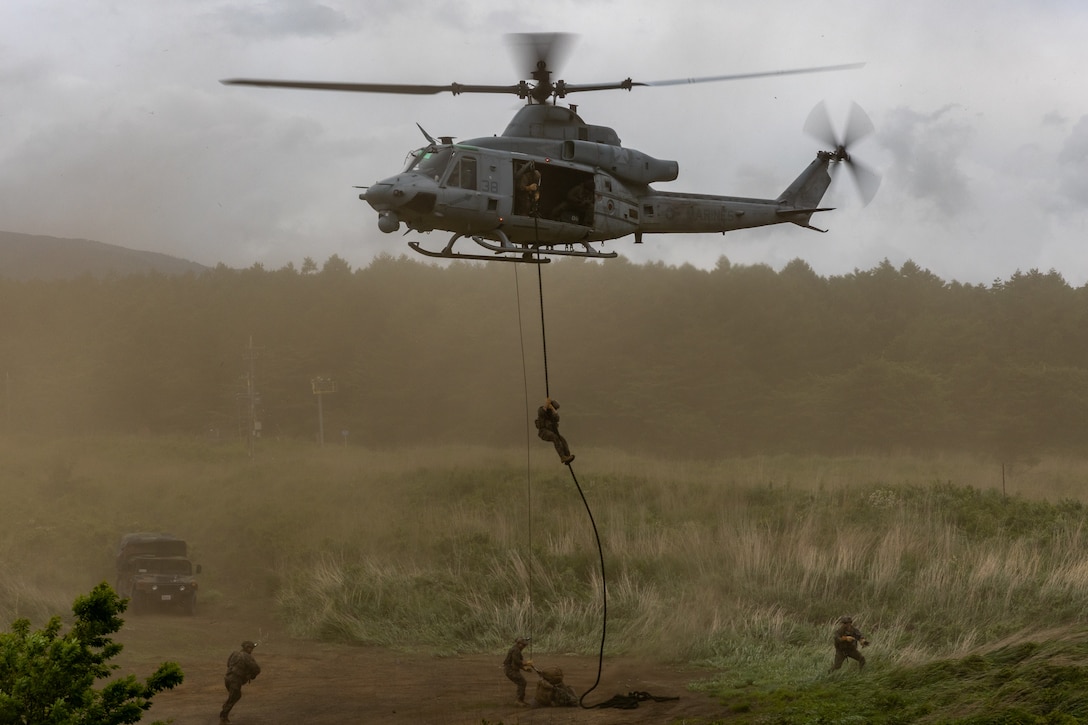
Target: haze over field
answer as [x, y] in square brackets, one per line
[671, 360]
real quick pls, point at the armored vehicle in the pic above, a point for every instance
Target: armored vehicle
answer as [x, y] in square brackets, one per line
[154, 571]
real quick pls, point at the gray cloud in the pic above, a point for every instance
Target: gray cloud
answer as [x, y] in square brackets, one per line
[1054, 118]
[278, 18]
[928, 148]
[1073, 160]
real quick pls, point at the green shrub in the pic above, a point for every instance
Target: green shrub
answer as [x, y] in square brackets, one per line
[47, 676]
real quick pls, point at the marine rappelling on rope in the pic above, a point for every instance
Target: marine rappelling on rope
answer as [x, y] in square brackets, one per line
[547, 429]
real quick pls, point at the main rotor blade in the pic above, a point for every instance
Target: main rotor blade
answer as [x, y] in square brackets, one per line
[629, 84]
[555, 43]
[407, 89]
[743, 76]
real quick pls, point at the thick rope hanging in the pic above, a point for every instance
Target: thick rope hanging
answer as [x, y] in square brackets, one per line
[604, 592]
[632, 699]
[543, 329]
[585, 502]
[528, 446]
[540, 292]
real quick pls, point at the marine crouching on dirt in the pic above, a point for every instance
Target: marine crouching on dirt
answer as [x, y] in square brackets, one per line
[514, 665]
[241, 668]
[551, 691]
[847, 638]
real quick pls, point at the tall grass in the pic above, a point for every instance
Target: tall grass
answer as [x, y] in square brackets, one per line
[735, 563]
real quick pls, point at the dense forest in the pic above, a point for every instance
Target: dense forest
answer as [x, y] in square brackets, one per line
[656, 359]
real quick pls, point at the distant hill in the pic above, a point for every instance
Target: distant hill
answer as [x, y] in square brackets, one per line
[31, 256]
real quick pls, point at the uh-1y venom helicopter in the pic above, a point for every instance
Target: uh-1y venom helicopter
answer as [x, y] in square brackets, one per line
[551, 182]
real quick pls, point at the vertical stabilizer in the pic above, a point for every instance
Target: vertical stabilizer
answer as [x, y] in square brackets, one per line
[808, 189]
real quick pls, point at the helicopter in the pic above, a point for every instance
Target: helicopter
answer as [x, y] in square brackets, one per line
[553, 185]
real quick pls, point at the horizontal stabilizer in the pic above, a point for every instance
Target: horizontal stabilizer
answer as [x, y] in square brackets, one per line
[801, 217]
[801, 212]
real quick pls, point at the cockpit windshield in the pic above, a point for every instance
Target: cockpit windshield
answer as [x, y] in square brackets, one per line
[429, 161]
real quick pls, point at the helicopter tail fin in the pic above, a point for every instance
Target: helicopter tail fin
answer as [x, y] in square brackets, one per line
[807, 189]
[801, 199]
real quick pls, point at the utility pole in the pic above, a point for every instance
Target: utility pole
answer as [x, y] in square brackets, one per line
[321, 386]
[253, 426]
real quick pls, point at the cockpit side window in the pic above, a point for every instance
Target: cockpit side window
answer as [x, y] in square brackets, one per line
[462, 173]
[468, 172]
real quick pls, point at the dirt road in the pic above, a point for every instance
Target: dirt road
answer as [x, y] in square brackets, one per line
[326, 684]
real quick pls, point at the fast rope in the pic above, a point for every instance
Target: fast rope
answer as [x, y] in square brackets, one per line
[631, 700]
[604, 593]
[540, 292]
[543, 328]
[528, 447]
[581, 493]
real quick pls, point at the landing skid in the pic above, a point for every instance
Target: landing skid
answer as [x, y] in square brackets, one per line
[589, 252]
[525, 258]
[506, 251]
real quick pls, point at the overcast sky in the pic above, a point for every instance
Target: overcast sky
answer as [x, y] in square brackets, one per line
[114, 126]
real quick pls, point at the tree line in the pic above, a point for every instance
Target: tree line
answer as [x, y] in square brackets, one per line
[653, 358]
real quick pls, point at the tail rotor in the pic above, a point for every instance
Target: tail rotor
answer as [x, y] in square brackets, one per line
[858, 126]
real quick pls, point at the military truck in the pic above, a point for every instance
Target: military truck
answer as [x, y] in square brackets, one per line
[154, 572]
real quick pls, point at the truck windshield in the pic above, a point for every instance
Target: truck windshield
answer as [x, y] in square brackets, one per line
[165, 566]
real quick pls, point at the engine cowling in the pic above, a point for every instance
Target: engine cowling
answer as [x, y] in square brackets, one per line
[625, 164]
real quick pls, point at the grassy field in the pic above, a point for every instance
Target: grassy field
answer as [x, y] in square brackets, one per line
[965, 583]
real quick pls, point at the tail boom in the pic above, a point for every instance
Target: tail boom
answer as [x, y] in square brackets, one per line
[676, 213]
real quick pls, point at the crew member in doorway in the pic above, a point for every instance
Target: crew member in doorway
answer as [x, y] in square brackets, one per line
[578, 206]
[528, 191]
[547, 427]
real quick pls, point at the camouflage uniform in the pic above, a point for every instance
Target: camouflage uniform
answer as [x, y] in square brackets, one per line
[241, 668]
[847, 637]
[547, 427]
[551, 691]
[513, 665]
[579, 201]
[528, 191]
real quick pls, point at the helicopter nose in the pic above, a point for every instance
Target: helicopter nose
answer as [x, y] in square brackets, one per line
[382, 196]
[412, 191]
